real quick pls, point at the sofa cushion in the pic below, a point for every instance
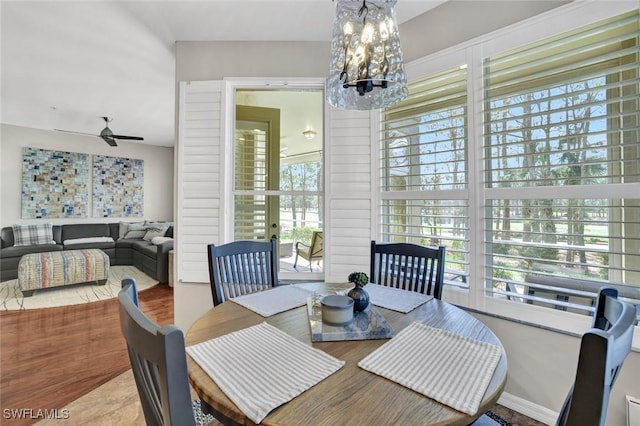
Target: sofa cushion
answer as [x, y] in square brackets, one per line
[19, 251]
[145, 247]
[125, 243]
[33, 235]
[85, 230]
[108, 246]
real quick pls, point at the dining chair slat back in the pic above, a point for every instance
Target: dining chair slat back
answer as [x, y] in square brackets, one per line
[603, 349]
[158, 360]
[242, 267]
[409, 267]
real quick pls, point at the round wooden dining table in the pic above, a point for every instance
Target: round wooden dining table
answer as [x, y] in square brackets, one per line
[352, 395]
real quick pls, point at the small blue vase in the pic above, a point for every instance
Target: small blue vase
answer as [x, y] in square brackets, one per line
[360, 298]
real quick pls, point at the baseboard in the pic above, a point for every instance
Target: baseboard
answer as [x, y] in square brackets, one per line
[529, 409]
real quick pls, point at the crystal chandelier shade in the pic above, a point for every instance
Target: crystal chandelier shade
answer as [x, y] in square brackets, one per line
[366, 70]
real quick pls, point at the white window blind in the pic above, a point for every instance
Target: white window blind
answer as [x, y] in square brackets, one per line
[424, 172]
[250, 220]
[562, 166]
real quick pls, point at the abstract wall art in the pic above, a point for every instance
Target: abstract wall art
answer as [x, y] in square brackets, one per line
[55, 184]
[118, 187]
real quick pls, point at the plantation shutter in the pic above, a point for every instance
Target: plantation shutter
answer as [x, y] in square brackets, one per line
[199, 172]
[348, 193]
[562, 167]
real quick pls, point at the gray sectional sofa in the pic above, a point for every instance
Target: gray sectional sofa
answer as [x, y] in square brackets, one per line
[125, 244]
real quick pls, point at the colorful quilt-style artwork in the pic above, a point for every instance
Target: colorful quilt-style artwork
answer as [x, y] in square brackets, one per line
[118, 187]
[55, 184]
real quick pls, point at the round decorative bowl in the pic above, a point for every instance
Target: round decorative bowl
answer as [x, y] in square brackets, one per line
[337, 310]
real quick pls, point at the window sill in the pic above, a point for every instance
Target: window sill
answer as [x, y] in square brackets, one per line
[535, 316]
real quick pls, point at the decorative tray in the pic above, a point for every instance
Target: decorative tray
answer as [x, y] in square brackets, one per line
[366, 325]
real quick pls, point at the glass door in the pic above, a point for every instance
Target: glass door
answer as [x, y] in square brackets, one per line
[257, 166]
[278, 175]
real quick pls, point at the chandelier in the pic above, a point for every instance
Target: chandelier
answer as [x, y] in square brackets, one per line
[366, 70]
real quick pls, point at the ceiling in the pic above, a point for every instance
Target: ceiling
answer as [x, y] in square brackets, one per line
[65, 64]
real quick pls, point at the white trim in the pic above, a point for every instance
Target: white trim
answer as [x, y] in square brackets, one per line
[327, 151]
[547, 24]
[443, 194]
[621, 190]
[244, 83]
[377, 195]
[528, 408]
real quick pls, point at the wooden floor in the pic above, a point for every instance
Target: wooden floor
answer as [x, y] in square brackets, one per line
[50, 357]
[74, 358]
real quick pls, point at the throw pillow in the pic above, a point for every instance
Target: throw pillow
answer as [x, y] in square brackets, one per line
[30, 235]
[88, 240]
[135, 231]
[159, 240]
[124, 228]
[154, 232]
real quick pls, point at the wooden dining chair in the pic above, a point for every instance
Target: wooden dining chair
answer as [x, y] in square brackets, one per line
[409, 267]
[312, 252]
[603, 349]
[242, 267]
[159, 364]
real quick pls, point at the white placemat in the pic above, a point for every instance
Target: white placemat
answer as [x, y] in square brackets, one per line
[452, 369]
[273, 301]
[261, 367]
[394, 298]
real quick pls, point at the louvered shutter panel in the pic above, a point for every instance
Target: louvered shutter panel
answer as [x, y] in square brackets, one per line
[199, 172]
[348, 196]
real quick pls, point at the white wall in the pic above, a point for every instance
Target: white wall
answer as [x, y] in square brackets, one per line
[458, 21]
[158, 170]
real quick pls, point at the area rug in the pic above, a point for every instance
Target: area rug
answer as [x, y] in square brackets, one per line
[493, 420]
[11, 297]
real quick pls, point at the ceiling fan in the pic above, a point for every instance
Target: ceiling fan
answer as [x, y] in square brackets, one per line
[106, 134]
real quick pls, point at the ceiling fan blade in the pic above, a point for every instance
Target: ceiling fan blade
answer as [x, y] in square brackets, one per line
[106, 134]
[77, 133]
[133, 138]
[110, 141]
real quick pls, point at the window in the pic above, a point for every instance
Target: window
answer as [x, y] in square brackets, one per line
[561, 147]
[556, 181]
[424, 169]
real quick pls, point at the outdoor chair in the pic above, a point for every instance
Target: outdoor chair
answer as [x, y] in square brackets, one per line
[242, 267]
[311, 252]
[408, 267]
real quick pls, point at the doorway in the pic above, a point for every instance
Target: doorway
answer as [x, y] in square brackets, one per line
[278, 173]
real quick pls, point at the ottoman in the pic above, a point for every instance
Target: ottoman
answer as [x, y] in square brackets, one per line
[59, 268]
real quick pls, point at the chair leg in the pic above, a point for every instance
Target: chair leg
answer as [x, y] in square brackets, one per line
[295, 262]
